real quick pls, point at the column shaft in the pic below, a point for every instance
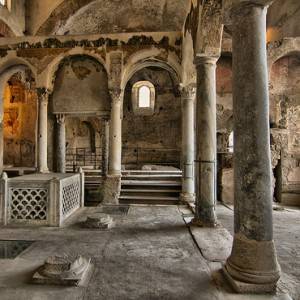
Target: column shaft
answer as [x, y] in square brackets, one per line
[253, 262]
[115, 147]
[105, 147]
[206, 142]
[61, 143]
[188, 140]
[43, 96]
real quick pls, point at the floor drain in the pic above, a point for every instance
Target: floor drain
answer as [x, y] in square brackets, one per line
[11, 249]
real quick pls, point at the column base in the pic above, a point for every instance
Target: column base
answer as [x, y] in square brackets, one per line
[199, 223]
[111, 189]
[187, 197]
[252, 266]
[248, 288]
[43, 171]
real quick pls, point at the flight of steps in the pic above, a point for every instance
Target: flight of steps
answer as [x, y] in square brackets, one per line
[92, 181]
[150, 187]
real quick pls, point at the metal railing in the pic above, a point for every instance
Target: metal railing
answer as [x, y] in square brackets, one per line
[139, 156]
[83, 157]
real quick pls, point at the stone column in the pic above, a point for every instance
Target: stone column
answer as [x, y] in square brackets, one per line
[188, 133]
[252, 265]
[112, 183]
[61, 143]
[115, 147]
[105, 146]
[206, 135]
[43, 96]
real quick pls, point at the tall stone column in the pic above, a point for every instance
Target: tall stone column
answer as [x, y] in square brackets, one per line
[206, 135]
[61, 143]
[252, 265]
[115, 147]
[105, 146]
[43, 97]
[187, 106]
[112, 184]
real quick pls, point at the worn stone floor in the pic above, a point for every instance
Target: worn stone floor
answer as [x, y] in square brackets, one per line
[149, 254]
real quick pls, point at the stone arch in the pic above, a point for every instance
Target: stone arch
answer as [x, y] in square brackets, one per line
[130, 69]
[62, 12]
[279, 49]
[82, 74]
[47, 78]
[5, 30]
[154, 137]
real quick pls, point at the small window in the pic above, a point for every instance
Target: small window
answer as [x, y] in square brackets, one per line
[3, 2]
[144, 96]
[231, 142]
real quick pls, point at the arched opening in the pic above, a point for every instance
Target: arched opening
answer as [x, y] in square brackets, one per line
[152, 122]
[19, 122]
[285, 128]
[144, 97]
[81, 95]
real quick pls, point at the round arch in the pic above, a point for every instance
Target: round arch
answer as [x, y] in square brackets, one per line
[47, 78]
[143, 59]
[286, 48]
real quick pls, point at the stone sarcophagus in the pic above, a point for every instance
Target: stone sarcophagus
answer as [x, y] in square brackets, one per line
[40, 199]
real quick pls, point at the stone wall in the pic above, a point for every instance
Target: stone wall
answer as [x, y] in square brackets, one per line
[156, 138]
[81, 86]
[285, 119]
[20, 117]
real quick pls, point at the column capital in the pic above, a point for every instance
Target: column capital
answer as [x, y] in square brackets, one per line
[237, 7]
[187, 92]
[116, 95]
[205, 60]
[60, 118]
[43, 94]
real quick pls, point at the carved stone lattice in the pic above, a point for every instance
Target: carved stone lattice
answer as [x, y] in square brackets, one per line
[70, 198]
[28, 204]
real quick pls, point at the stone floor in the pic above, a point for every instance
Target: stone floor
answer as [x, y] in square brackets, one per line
[149, 254]
[287, 240]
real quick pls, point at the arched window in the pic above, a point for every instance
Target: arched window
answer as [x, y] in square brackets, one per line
[231, 142]
[144, 96]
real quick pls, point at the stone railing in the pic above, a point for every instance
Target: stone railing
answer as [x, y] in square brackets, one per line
[40, 199]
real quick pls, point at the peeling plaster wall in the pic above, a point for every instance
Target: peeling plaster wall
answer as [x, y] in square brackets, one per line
[81, 86]
[285, 119]
[37, 12]
[20, 116]
[14, 16]
[224, 128]
[283, 19]
[107, 16]
[158, 137]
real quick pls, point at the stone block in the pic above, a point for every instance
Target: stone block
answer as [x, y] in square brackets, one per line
[68, 270]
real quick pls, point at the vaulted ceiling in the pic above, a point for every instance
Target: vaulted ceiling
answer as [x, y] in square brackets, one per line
[106, 16]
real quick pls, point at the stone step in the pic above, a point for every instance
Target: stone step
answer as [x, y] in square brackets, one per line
[132, 172]
[150, 177]
[159, 200]
[150, 183]
[156, 190]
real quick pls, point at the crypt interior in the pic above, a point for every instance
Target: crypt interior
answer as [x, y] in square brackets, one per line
[150, 149]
